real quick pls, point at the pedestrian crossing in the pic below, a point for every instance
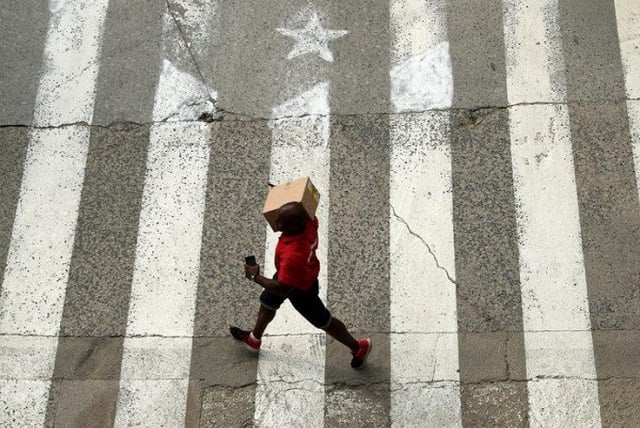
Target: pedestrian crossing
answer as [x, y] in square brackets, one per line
[480, 215]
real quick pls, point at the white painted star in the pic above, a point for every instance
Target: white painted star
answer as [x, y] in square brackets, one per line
[312, 39]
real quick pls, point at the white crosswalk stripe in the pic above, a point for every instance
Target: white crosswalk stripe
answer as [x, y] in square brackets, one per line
[157, 349]
[628, 18]
[559, 350]
[33, 286]
[424, 347]
[290, 390]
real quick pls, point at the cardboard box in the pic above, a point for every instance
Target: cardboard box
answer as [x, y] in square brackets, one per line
[300, 190]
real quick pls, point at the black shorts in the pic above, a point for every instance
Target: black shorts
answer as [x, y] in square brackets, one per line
[307, 303]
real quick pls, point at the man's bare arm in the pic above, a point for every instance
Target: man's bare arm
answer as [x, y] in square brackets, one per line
[253, 273]
[272, 285]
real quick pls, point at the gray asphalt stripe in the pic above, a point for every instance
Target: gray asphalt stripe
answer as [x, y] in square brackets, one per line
[476, 45]
[607, 199]
[12, 154]
[101, 267]
[490, 339]
[619, 371]
[359, 74]
[85, 381]
[131, 62]
[358, 285]
[248, 66]
[610, 226]
[23, 33]
[359, 231]
[98, 290]
[591, 50]
[238, 172]
[358, 264]
[225, 407]
[69, 394]
[609, 213]
[487, 271]
[223, 375]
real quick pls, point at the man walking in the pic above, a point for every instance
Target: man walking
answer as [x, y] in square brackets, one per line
[296, 279]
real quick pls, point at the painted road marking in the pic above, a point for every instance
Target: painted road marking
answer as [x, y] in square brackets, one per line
[628, 18]
[560, 366]
[165, 275]
[424, 344]
[290, 389]
[157, 349]
[559, 350]
[534, 58]
[633, 110]
[313, 39]
[421, 76]
[43, 234]
[66, 91]
[543, 347]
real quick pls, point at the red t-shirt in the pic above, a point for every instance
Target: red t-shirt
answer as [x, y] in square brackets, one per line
[295, 258]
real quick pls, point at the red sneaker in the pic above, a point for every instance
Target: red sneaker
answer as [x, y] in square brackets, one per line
[246, 338]
[360, 357]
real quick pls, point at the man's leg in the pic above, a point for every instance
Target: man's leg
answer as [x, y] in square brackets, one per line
[339, 332]
[359, 348]
[269, 304]
[310, 306]
[265, 316]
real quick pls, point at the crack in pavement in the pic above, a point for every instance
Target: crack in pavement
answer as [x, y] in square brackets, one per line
[58, 84]
[507, 367]
[376, 332]
[187, 46]
[241, 117]
[424, 242]
[107, 126]
[478, 310]
[391, 333]
[543, 378]
[394, 385]
[435, 360]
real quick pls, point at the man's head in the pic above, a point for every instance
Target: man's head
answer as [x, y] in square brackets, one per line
[292, 218]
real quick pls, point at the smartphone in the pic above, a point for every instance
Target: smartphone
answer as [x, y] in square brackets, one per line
[250, 260]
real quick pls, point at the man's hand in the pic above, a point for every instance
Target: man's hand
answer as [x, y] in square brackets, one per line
[251, 271]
